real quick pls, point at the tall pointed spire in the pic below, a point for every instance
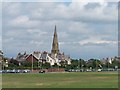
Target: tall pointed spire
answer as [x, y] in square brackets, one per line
[55, 47]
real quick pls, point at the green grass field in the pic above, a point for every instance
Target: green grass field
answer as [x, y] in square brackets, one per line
[61, 80]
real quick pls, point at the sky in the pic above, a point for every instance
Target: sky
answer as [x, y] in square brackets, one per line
[85, 29]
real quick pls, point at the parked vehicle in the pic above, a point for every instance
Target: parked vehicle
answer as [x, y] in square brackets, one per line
[42, 71]
[26, 71]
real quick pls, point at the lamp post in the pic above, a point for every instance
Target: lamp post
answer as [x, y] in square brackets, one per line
[32, 62]
[38, 64]
[108, 66]
[2, 65]
[81, 64]
[96, 65]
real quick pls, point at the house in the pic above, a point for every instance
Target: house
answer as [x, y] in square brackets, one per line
[31, 58]
[14, 61]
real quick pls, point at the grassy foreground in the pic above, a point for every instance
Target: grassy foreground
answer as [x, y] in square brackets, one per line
[61, 80]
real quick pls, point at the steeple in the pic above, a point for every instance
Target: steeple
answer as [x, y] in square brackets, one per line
[55, 47]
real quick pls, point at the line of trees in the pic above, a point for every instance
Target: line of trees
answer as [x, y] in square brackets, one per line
[75, 64]
[93, 64]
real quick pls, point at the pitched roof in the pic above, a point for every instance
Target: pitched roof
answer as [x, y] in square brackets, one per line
[37, 54]
[30, 55]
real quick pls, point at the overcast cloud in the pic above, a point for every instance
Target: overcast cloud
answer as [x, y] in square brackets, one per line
[85, 29]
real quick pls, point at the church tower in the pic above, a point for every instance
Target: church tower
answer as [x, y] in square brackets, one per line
[55, 47]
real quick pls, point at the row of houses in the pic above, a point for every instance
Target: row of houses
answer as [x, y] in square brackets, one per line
[53, 59]
[43, 57]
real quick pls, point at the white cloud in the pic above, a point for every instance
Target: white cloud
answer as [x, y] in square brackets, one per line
[36, 43]
[36, 31]
[92, 41]
[20, 20]
[23, 21]
[75, 11]
[101, 13]
[82, 3]
[95, 42]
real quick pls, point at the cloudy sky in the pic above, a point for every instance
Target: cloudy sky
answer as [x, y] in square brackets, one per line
[85, 29]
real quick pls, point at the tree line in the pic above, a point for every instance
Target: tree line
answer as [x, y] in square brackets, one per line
[75, 64]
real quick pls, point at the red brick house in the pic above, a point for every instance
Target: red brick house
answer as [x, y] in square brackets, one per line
[31, 57]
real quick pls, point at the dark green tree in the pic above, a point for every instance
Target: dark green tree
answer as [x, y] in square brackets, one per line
[82, 64]
[63, 64]
[46, 65]
[55, 66]
[74, 64]
[94, 63]
[26, 64]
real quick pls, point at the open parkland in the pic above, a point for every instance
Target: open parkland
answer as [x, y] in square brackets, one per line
[61, 80]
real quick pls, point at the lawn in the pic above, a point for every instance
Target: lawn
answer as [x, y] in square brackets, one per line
[61, 80]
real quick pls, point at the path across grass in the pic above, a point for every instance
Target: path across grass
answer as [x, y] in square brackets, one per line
[61, 80]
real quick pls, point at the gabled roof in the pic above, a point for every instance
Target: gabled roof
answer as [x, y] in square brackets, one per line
[31, 55]
[37, 55]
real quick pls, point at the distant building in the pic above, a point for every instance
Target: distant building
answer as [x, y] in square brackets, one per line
[21, 57]
[110, 60]
[55, 53]
[55, 57]
[14, 61]
[55, 45]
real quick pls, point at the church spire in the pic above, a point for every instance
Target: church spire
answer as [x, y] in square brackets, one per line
[55, 47]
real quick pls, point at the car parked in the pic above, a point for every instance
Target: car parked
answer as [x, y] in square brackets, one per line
[26, 71]
[42, 71]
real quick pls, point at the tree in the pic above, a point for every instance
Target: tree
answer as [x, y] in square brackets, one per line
[26, 64]
[81, 63]
[46, 65]
[55, 65]
[94, 63]
[74, 64]
[115, 63]
[12, 66]
[63, 64]
[67, 67]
